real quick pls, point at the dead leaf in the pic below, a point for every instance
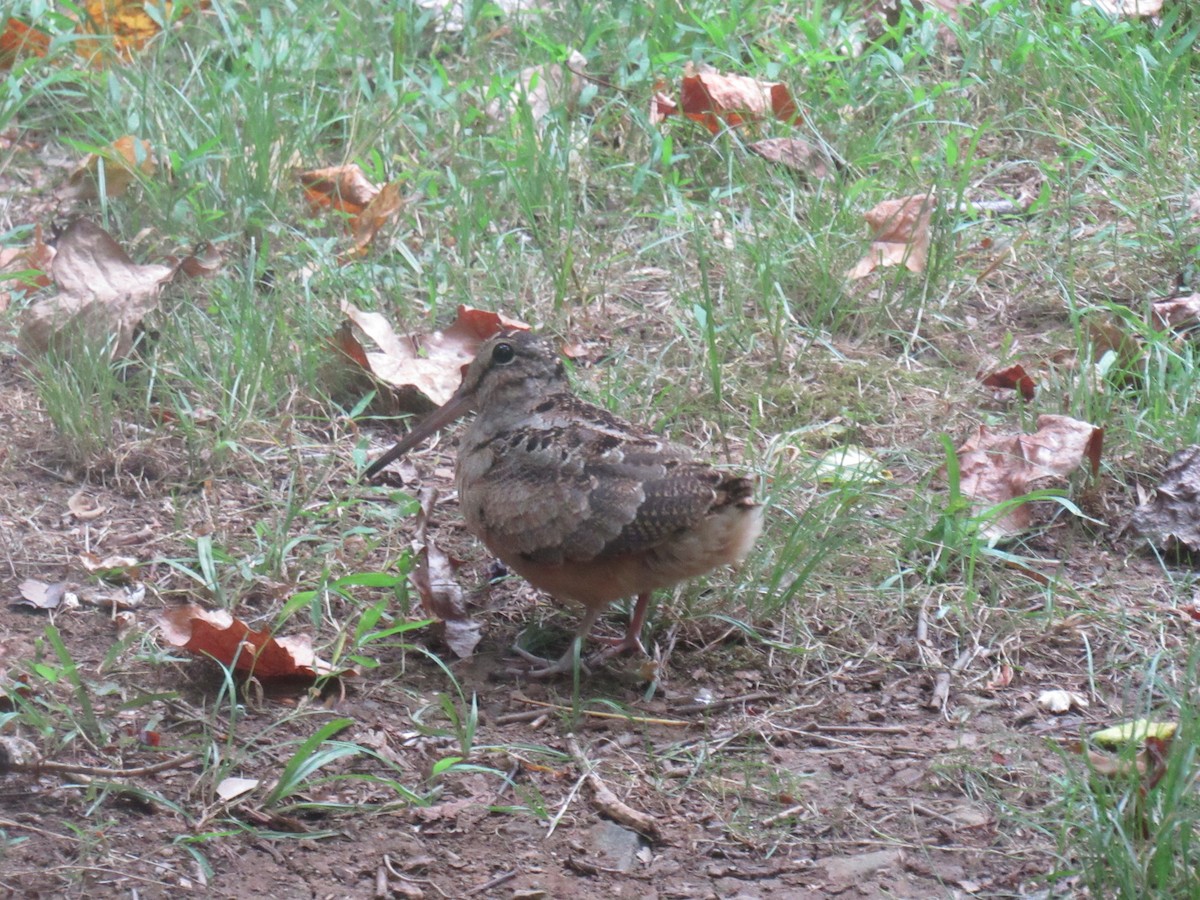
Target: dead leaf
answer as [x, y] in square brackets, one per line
[1171, 518]
[103, 294]
[19, 40]
[1002, 679]
[41, 594]
[233, 787]
[26, 269]
[1178, 314]
[123, 27]
[113, 569]
[341, 188]
[84, 507]
[718, 101]
[119, 163]
[1141, 8]
[793, 153]
[1060, 701]
[900, 235]
[366, 225]
[440, 593]
[543, 87]
[346, 189]
[422, 371]
[1012, 378]
[994, 468]
[233, 643]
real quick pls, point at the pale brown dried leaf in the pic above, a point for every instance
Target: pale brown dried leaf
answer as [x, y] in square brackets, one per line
[103, 294]
[900, 235]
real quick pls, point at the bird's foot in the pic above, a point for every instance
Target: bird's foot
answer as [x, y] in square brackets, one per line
[546, 669]
[616, 646]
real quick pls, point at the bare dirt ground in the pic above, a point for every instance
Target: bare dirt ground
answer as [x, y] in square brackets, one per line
[764, 775]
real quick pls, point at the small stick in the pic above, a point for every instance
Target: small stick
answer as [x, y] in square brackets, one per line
[609, 803]
[723, 702]
[604, 715]
[785, 814]
[493, 883]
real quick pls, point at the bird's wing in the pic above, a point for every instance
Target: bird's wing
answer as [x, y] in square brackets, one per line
[587, 489]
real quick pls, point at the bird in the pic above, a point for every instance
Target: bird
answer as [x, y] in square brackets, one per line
[583, 504]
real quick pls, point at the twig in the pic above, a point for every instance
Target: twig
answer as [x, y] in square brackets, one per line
[723, 702]
[494, 882]
[785, 814]
[604, 715]
[609, 803]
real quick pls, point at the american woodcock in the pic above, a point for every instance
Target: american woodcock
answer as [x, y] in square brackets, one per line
[584, 505]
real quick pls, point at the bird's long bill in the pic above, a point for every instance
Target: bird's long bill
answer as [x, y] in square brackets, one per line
[456, 406]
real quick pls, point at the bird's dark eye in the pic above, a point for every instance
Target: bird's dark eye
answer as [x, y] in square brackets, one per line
[503, 354]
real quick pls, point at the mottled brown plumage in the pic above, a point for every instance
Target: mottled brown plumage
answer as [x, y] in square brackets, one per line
[586, 506]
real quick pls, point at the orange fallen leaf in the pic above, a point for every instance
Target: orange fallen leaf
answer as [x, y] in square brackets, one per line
[1012, 378]
[900, 235]
[233, 643]
[342, 188]
[124, 26]
[422, 371]
[25, 268]
[995, 468]
[718, 100]
[18, 40]
[115, 167]
[366, 225]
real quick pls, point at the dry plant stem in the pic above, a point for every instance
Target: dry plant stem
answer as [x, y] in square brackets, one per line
[940, 696]
[714, 705]
[488, 885]
[44, 768]
[784, 814]
[643, 720]
[609, 803]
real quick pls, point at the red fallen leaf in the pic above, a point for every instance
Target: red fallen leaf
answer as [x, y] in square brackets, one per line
[1013, 378]
[231, 642]
[994, 468]
[900, 235]
[18, 39]
[718, 100]
[422, 370]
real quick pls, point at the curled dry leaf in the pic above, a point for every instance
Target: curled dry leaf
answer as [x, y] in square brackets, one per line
[114, 169]
[793, 153]
[1171, 518]
[233, 643]
[346, 189]
[103, 295]
[84, 507]
[995, 468]
[719, 101]
[233, 787]
[900, 235]
[113, 569]
[1060, 701]
[421, 371]
[1012, 378]
[440, 593]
